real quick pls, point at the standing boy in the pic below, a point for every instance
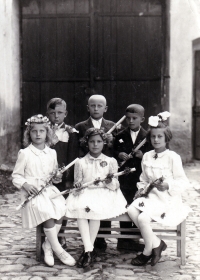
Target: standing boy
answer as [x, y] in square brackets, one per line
[66, 144]
[125, 142]
[97, 107]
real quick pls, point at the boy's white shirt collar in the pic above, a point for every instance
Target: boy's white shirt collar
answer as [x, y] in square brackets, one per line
[97, 124]
[59, 126]
[134, 135]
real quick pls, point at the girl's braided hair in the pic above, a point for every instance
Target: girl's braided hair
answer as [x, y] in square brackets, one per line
[91, 132]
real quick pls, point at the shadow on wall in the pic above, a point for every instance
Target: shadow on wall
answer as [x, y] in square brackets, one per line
[9, 133]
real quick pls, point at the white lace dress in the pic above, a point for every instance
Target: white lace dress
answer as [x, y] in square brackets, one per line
[96, 202]
[164, 207]
[34, 167]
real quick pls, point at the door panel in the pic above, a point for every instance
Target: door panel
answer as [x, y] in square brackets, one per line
[71, 47]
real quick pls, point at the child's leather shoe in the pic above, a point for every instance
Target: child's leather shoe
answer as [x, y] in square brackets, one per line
[156, 252]
[48, 255]
[66, 258]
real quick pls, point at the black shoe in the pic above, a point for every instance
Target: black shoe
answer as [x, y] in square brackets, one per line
[79, 263]
[141, 260]
[89, 258]
[100, 243]
[156, 252]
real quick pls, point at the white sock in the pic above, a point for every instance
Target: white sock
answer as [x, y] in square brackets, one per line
[94, 226]
[47, 243]
[58, 227]
[51, 234]
[85, 234]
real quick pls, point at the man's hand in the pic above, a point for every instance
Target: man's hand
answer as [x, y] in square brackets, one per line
[139, 154]
[123, 156]
[57, 177]
[162, 187]
[78, 185]
[108, 181]
[30, 189]
[109, 139]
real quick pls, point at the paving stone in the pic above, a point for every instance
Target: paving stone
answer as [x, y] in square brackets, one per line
[5, 225]
[126, 266]
[124, 272]
[4, 261]
[182, 277]
[36, 278]
[21, 278]
[69, 271]
[41, 268]
[3, 247]
[11, 267]
[26, 261]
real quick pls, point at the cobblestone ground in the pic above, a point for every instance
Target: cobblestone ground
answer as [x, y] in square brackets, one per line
[18, 261]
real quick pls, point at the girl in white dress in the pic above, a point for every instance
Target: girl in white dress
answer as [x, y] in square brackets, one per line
[33, 168]
[96, 202]
[163, 203]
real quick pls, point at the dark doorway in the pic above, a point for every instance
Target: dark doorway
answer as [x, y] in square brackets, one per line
[72, 47]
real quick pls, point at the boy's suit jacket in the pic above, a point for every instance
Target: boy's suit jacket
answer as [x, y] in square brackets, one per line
[123, 143]
[83, 126]
[66, 153]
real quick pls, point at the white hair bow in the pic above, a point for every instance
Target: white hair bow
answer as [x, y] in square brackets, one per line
[153, 121]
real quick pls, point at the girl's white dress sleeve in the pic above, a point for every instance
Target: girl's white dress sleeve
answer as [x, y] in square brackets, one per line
[18, 172]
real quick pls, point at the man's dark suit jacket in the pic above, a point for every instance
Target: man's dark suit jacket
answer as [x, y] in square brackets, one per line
[83, 126]
[123, 143]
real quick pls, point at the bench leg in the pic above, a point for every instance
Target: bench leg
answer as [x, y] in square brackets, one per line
[38, 242]
[179, 241]
[183, 242]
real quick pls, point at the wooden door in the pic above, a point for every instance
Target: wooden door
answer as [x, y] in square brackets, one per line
[71, 48]
[196, 108]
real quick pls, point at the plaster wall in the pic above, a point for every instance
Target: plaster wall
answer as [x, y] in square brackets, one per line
[184, 29]
[9, 81]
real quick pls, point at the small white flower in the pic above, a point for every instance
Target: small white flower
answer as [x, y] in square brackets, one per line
[26, 123]
[45, 119]
[164, 115]
[28, 120]
[153, 121]
[40, 116]
[121, 140]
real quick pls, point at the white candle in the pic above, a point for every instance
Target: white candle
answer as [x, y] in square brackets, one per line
[69, 165]
[115, 125]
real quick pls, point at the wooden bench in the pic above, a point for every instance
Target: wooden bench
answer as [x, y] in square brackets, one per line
[178, 234]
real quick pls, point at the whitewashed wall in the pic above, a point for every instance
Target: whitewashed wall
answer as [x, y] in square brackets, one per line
[9, 81]
[184, 28]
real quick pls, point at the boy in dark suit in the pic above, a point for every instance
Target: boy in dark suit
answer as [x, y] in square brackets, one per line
[125, 142]
[66, 144]
[97, 107]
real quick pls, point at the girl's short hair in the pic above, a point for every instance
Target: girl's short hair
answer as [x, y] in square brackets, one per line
[91, 132]
[167, 131]
[38, 119]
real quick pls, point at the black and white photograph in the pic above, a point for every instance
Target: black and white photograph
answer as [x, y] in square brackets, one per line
[99, 139]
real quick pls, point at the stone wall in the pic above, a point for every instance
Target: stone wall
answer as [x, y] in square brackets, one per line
[9, 81]
[184, 29]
